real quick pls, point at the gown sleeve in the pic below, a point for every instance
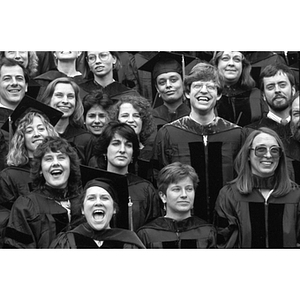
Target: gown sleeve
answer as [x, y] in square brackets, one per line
[225, 219]
[24, 225]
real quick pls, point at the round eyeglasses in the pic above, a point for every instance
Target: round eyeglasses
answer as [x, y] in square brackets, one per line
[261, 151]
[103, 56]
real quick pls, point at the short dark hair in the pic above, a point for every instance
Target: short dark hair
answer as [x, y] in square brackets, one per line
[7, 62]
[109, 132]
[96, 98]
[272, 70]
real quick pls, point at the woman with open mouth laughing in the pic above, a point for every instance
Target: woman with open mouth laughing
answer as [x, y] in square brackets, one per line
[30, 125]
[98, 205]
[38, 217]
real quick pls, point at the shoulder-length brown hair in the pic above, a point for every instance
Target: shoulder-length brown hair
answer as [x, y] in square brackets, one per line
[76, 119]
[245, 80]
[244, 180]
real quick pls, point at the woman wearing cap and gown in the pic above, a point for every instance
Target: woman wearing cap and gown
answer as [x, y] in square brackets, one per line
[30, 127]
[63, 94]
[167, 75]
[37, 217]
[99, 204]
[116, 151]
[241, 101]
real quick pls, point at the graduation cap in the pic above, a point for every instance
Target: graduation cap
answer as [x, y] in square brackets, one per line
[118, 186]
[164, 62]
[27, 105]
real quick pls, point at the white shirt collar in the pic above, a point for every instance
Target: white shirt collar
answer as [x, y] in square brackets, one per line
[275, 118]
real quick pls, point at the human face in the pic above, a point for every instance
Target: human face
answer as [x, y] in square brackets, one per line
[230, 66]
[66, 55]
[170, 87]
[131, 116]
[263, 166]
[278, 91]
[34, 134]
[56, 169]
[203, 96]
[12, 86]
[101, 67]
[63, 99]
[95, 119]
[98, 207]
[19, 56]
[179, 199]
[119, 153]
[295, 121]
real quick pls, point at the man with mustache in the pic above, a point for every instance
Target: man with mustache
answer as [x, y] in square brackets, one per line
[277, 84]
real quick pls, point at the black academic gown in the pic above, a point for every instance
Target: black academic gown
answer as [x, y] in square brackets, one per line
[166, 233]
[36, 219]
[249, 221]
[210, 149]
[83, 237]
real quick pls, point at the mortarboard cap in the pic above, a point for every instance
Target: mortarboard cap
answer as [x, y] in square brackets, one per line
[164, 62]
[116, 185]
[27, 105]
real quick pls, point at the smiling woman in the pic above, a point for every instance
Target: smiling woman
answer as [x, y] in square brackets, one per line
[31, 127]
[38, 217]
[260, 208]
[98, 206]
[63, 94]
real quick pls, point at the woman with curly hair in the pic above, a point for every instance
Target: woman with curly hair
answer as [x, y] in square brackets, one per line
[15, 180]
[37, 218]
[29, 60]
[241, 102]
[63, 94]
[135, 111]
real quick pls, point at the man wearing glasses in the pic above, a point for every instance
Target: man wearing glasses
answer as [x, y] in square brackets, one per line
[100, 65]
[277, 84]
[203, 140]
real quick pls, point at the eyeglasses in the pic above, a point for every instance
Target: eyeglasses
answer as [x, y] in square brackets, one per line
[209, 86]
[103, 56]
[261, 151]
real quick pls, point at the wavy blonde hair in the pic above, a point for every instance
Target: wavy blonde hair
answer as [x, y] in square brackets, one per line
[18, 154]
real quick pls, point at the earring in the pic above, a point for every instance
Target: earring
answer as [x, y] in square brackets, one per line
[104, 155]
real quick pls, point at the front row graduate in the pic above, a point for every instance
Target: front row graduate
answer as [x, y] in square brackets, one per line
[177, 183]
[105, 195]
[260, 208]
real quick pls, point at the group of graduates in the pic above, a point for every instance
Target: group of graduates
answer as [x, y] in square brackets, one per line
[88, 162]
